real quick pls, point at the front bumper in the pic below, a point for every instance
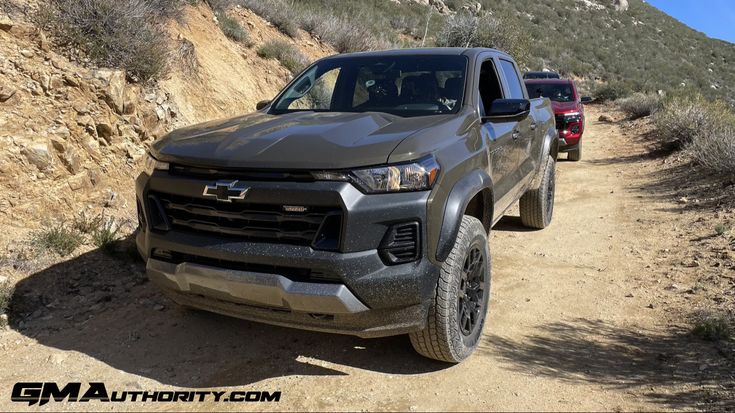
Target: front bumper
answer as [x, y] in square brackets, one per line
[365, 296]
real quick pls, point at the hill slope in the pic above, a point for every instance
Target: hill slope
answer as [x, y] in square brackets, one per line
[640, 47]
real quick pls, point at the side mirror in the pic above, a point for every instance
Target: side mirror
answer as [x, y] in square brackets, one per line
[263, 103]
[508, 110]
[587, 99]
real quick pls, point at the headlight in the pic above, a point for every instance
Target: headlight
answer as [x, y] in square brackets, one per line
[417, 176]
[152, 164]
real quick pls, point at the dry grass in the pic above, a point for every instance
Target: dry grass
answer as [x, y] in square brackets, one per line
[284, 52]
[57, 238]
[232, 28]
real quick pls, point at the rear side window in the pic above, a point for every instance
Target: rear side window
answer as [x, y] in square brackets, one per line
[511, 76]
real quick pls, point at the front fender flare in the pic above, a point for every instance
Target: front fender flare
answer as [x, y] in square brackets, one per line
[459, 197]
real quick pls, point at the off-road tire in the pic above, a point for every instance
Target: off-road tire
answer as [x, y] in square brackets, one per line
[537, 204]
[443, 338]
[575, 155]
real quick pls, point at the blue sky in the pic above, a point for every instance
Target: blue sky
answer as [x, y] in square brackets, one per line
[715, 18]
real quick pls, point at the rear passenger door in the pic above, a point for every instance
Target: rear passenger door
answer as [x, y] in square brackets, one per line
[523, 131]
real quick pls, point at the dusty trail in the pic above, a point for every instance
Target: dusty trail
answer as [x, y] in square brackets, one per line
[570, 326]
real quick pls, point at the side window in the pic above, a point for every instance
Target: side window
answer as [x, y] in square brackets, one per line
[489, 86]
[511, 76]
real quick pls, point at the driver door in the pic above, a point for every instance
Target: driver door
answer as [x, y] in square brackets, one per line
[498, 137]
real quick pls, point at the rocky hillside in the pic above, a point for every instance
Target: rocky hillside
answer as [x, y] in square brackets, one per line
[73, 135]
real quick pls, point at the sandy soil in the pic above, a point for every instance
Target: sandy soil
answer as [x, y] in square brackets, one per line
[588, 314]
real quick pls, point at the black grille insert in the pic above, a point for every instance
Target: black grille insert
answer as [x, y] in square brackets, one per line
[318, 226]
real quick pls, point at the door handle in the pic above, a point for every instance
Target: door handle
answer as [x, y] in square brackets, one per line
[533, 126]
[516, 134]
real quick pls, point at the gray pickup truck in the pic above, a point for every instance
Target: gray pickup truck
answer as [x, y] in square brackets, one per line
[358, 201]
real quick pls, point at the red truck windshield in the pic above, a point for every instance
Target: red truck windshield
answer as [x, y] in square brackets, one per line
[401, 85]
[558, 92]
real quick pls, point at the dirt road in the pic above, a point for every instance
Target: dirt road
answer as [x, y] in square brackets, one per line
[579, 320]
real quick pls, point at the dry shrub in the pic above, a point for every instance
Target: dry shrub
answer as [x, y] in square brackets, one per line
[125, 34]
[344, 36]
[468, 30]
[284, 52]
[639, 105]
[187, 56]
[704, 129]
[341, 33]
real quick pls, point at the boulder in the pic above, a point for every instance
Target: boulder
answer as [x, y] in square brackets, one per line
[6, 92]
[37, 153]
[621, 5]
[113, 88]
[605, 118]
[6, 25]
[104, 130]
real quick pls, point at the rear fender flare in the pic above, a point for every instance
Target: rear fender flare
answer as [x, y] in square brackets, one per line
[550, 148]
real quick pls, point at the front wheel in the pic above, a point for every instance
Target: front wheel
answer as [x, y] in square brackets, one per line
[537, 204]
[459, 306]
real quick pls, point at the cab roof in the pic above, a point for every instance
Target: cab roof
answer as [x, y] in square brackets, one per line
[424, 51]
[549, 81]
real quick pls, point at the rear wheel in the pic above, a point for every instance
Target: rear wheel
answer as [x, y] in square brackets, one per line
[575, 155]
[537, 204]
[458, 309]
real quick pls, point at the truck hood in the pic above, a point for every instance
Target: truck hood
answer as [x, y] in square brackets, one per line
[300, 140]
[564, 107]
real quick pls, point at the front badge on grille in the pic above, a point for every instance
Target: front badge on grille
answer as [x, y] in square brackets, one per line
[226, 191]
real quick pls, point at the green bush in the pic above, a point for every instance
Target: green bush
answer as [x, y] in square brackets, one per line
[639, 105]
[284, 52]
[611, 91]
[105, 236]
[57, 238]
[713, 329]
[233, 29]
[126, 34]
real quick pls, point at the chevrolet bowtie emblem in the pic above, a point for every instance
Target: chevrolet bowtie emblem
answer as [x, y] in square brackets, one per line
[226, 191]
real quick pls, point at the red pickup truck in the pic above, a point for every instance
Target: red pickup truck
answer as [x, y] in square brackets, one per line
[568, 111]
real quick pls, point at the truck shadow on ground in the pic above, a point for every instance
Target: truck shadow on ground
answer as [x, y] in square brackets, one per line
[104, 307]
[674, 370]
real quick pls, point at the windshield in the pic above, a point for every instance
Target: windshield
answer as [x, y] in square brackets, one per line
[401, 85]
[556, 92]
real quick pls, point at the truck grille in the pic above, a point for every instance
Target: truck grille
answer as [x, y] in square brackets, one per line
[318, 227]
